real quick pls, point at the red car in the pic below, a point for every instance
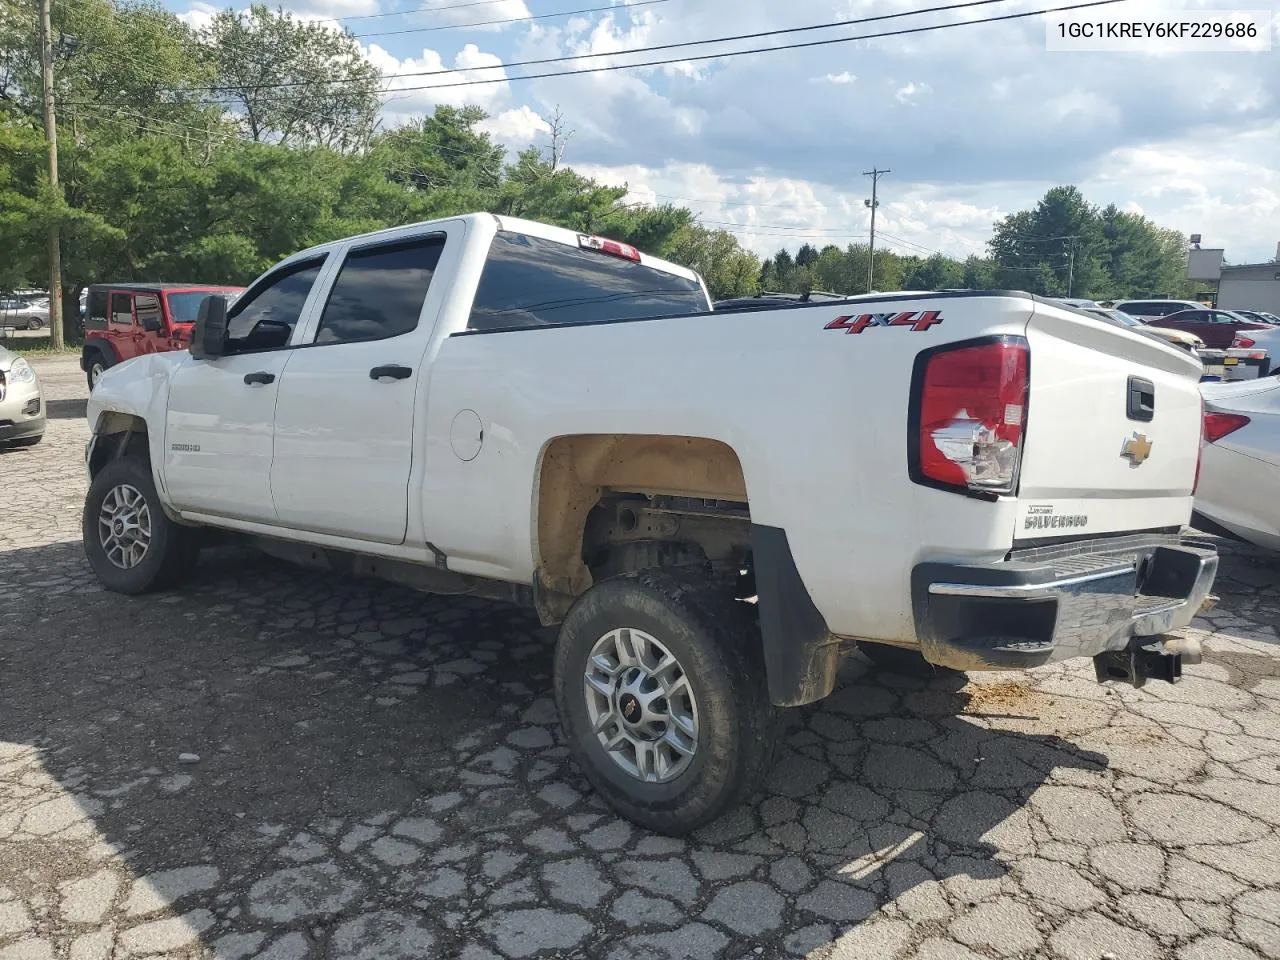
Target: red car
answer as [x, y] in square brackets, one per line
[124, 320]
[1217, 328]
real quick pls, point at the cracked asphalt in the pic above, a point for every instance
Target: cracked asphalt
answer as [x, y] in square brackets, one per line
[279, 763]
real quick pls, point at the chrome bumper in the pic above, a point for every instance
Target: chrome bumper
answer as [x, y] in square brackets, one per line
[1056, 603]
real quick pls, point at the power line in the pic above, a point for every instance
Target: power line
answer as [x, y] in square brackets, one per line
[490, 23]
[697, 58]
[724, 56]
[673, 46]
[739, 53]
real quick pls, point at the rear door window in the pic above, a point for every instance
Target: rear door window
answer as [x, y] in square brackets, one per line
[380, 291]
[532, 282]
[122, 309]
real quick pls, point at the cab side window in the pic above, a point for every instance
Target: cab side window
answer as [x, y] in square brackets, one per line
[121, 309]
[380, 291]
[266, 315]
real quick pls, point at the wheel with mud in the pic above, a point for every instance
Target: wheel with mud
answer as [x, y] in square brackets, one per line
[131, 545]
[660, 682]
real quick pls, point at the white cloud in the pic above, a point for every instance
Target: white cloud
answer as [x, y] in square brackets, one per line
[416, 86]
[516, 129]
[839, 78]
[911, 92]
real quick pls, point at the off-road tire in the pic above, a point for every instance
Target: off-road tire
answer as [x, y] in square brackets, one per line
[717, 642]
[173, 549]
[95, 361]
[910, 663]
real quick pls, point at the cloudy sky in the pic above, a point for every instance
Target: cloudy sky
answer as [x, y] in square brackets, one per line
[973, 122]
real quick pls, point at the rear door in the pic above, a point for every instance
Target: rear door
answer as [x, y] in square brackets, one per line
[1113, 430]
[348, 400]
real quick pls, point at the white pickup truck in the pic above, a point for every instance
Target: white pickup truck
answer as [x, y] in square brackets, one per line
[711, 504]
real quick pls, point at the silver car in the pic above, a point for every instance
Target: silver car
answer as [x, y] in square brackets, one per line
[23, 315]
[22, 415]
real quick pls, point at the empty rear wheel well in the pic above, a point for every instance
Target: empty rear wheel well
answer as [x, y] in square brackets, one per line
[612, 503]
[119, 435]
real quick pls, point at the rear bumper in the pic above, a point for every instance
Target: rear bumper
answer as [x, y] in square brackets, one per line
[1060, 602]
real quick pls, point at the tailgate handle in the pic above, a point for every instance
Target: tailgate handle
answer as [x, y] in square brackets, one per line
[1141, 404]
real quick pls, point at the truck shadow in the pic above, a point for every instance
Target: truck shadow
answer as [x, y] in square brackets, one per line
[286, 755]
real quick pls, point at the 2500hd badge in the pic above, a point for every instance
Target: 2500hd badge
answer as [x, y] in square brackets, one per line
[1042, 517]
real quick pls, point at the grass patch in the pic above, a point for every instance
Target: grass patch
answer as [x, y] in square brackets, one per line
[38, 346]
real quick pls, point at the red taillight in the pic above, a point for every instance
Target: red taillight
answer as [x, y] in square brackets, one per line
[1218, 425]
[611, 247]
[1243, 343]
[972, 403]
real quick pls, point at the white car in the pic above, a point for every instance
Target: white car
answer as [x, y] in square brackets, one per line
[490, 406]
[1239, 490]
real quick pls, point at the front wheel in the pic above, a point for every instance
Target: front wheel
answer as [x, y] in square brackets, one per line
[660, 682]
[131, 545]
[96, 368]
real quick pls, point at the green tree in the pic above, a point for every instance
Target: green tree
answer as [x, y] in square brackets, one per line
[294, 82]
[728, 269]
[938, 272]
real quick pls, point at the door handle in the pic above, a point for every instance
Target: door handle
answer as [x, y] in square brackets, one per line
[260, 377]
[392, 370]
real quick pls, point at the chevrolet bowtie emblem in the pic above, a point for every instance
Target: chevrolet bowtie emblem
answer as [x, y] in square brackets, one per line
[1136, 449]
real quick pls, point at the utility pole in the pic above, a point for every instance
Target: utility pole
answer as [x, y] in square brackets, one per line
[1071, 263]
[875, 176]
[51, 135]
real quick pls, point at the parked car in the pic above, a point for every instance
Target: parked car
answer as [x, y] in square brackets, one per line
[22, 315]
[1217, 328]
[1179, 338]
[1077, 303]
[1147, 310]
[125, 320]
[508, 409]
[1237, 494]
[22, 413]
[1257, 316]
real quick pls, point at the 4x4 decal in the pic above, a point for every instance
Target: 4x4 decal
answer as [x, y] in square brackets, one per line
[916, 320]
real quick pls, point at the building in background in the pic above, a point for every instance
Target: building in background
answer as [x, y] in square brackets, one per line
[1250, 286]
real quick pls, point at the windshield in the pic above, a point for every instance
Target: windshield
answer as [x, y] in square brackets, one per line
[183, 307]
[1120, 317]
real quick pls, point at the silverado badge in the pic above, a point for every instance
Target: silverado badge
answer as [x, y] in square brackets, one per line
[1136, 449]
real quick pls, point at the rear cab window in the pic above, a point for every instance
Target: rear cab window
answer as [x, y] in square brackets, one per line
[532, 282]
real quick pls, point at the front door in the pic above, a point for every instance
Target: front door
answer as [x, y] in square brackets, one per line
[219, 426]
[121, 329]
[344, 427]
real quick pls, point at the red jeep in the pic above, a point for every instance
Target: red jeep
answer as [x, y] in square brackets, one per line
[124, 320]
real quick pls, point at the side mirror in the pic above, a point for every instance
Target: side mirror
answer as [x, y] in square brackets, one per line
[209, 337]
[151, 324]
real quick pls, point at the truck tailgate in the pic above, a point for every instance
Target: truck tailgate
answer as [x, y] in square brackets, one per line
[1113, 430]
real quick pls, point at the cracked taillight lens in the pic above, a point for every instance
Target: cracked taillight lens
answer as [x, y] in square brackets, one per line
[972, 416]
